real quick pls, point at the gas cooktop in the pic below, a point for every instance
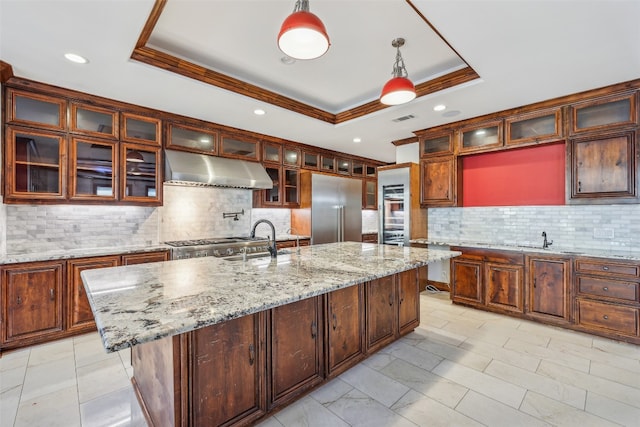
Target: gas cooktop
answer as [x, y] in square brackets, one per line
[217, 247]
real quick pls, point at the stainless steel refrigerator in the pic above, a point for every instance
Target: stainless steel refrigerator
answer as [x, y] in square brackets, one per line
[332, 209]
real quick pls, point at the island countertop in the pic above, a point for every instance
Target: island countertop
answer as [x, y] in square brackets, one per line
[141, 303]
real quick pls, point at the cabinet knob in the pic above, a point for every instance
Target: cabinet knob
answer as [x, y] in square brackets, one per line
[335, 322]
[51, 294]
[390, 300]
[606, 288]
[605, 268]
[605, 317]
[19, 300]
[252, 354]
[314, 330]
[579, 186]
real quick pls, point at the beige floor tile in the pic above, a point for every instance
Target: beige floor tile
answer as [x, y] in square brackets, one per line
[331, 391]
[360, 410]
[12, 378]
[113, 409]
[490, 386]
[512, 357]
[613, 410]
[441, 335]
[44, 353]
[9, 402]
[414, 355]
[14, 359]
[89, 336]
[427, 412]
[309, 413]
[91, 351]
[456, 354]
[269, 422]
[58, 409]
[561, 358]
[480, 334]
[101, 378]
[567, 335]
[535, 338]
[426, 318]
[376, 385]
[437, 388]
[50, 377]
[495, 414]
[546, 386]
[622, 349]
[614, 373]
[597, 355]
[616, 391]
[450, 316]
[559, 414]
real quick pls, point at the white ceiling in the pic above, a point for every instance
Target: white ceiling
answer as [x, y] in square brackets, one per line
[524, 51]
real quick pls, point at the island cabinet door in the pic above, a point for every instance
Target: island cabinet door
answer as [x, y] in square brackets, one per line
[294, 347]
[381, 312]
[408, 301]
[548, 289]
[466, 277]
[227, 382]
[344, 329]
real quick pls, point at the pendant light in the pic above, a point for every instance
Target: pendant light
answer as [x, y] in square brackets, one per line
[398, 90]
[134, 156]
[302, 35]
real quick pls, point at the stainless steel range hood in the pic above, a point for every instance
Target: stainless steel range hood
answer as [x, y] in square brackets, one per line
[182, 168]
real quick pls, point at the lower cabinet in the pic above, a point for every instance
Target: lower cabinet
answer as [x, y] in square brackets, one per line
[548, 285]
[381, 312]
[31, 302]
[344, 329]
[294, 349]
[45, 301]
[226, 360]
[408, 301]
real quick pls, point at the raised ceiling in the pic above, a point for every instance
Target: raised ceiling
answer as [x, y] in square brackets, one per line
[523, 51]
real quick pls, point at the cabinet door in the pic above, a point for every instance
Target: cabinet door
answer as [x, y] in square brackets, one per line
[438, 181]
[295, 349]
[503, 286]
[604, 113]
[408, 301]
[141, 129]
[144, 258]
[548, 288]
[271, 197]
[604, 167]
[239, 148]
[35, 166]
[381, 312]
[536, 127]
[227, 360]
[439, 143]
[93, 166]
[290, 187]
[345, 328]
[32, 300]
[94, 121]
[192, 138]
[466, 279]
[370, 196]
[483, 137]
[31, 109]
[79, 314]
[140, 174]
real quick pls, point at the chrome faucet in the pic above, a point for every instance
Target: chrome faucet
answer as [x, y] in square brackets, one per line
[292, 230]
[273, 250]
[545, 243]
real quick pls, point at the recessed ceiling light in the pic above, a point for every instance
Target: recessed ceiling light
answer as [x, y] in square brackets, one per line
[287, 60]
[356, 139]
[259, 112]
[76, 58]
[440, 107]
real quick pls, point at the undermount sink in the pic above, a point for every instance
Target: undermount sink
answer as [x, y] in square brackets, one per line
[254, 256]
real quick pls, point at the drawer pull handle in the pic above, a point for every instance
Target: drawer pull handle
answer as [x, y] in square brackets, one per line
[605, 268]
[314, 330]
[51, 294]
[605, 317]
[252, 354]
[335, 322]
[606, 288]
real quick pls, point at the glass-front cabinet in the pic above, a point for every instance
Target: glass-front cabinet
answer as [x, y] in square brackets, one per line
[370, 194]
[436, 144]
[94, 121]
[537, 127]
[285, 191]
[310, 160]
[191, 138]
[239, 148]
[291, 156]
[31, 109]
[480, 137]
[139, 173]
[92, 167]
[141, 129]
[604, 113]
[35, 165]
[271, 152]
[328, 164]
[343, 166]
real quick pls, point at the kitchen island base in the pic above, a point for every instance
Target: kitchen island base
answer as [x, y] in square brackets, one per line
[239, 371]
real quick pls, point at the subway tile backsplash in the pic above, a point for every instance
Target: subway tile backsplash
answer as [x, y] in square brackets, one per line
[608, 227]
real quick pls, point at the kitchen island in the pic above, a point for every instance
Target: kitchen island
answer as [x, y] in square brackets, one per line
[218, 342]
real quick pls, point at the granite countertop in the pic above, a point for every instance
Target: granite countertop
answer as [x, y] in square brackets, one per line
[78, 253]
[283, 237]
[141, 303]
[630, 254]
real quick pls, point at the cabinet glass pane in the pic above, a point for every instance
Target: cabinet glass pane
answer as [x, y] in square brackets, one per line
[94, 169]
[357, 169]
[328, 163]
[311, 160]
[141, 173]
[603, 114]
[480, 137]
[239, 148]
[344, 166]
[370, 196]
[141, 129]
[291, 186]
[271, 153]
[273, 195]
[38, 111]
[533, 128]
[94, 121]
[188, 138]
[37, 164]
[436, 145]
[291, 157]
[371, 171]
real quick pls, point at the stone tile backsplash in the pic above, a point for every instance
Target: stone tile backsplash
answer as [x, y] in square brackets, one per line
[609, 227]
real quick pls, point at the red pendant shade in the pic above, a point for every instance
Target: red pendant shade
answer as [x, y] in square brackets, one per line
[397, 91]
[303, 36]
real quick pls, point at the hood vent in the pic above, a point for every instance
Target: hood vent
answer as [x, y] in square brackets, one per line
[192, 169]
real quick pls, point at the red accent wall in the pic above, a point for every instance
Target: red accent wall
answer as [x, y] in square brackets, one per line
[516, 177]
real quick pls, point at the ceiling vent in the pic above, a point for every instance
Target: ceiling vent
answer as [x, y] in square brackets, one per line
[403, 118]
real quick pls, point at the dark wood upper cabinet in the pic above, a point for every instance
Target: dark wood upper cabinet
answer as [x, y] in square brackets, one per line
[369, 194]
[93, 169]
[94, 121]
[140, 174]
[343, 166]
[271, 152]
[603, 168]
[141, 129]
[32, 109]
[604, 113]
[310, 160]
[291, 156]
[327, 163]
[480, 137]
[533, 128]
[191, 138]
[436, 144]
[439, 181]
[357, 168]
[239, 147]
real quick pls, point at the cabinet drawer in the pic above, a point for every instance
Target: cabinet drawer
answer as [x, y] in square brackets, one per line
[491, 255]
[608, 316]
[606, 267]
[608, 288]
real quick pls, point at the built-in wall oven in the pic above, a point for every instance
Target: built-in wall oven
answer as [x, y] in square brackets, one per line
[394, 206]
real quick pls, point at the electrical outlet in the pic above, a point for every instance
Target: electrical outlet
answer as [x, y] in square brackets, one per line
[603, 233]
